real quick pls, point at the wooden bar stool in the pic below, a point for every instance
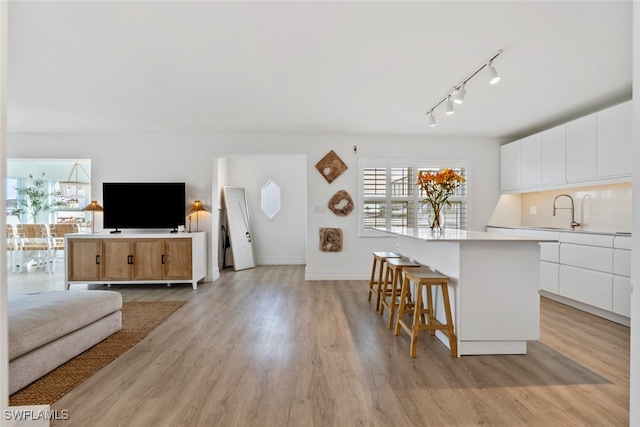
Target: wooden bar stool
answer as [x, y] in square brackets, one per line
[379, 260]
[392, 285]
[427, 278]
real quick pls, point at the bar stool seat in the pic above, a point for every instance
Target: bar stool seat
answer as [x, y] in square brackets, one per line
[425, 278]
[379, 260]
[392, 285]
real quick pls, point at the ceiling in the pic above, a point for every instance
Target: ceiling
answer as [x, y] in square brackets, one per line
[312, 67]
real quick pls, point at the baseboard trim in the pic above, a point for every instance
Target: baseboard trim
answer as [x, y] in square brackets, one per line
[614, 317]
[280, 261]
[213, 275]
[333, 274]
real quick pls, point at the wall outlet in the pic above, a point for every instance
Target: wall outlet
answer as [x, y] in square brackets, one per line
[319, 209]
[533, 210]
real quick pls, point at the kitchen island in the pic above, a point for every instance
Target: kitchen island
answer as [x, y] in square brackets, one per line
[493, 285]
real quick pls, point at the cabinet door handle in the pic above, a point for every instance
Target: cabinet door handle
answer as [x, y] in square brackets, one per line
[130, 259]
[97, 259]
[163, 258]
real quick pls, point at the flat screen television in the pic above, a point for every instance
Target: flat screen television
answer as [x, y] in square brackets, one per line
[146, 205]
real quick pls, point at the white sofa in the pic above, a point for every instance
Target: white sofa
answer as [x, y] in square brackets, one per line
[47, 329]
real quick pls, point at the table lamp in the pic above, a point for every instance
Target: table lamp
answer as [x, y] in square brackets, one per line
[196, 207]
[93, 207]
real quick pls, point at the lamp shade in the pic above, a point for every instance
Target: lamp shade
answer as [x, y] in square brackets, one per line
[94, 206]
[197, 206]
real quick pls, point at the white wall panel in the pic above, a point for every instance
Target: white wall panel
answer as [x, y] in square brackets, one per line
[193, 158]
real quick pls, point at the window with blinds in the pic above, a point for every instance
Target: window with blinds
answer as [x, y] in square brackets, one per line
[390, 198]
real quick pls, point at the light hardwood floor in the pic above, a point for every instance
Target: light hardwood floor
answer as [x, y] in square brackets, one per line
[264, 347]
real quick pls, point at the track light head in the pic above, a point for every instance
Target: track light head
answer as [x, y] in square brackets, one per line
[432, 119]
[458, 94]
[493, 74]
[448, 106]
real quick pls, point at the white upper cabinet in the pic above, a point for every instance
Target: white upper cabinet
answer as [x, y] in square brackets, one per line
[592, 150]
[582, 149]
[553, 151]
[614, 141]
[510, 166]
[530, 172]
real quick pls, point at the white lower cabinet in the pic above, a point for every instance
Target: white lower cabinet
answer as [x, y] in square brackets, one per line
[589, 271]
[550, 252]
[586, 269]
[622, 274]
[549, 277]
[622, 295]
[587, 286]
[590, 257]
[622, 262]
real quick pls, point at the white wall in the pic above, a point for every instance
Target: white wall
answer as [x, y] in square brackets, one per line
[507, 212]
[282, 240]
[354, 262]
[192, 158]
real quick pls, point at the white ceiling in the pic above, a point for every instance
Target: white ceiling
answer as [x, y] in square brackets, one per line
[312, 67]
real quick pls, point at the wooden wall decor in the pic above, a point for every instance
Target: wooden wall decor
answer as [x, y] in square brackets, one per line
[330, 239]
[341, 203]
[331, 166]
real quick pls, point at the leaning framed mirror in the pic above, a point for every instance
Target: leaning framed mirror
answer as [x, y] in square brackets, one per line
[239, 228]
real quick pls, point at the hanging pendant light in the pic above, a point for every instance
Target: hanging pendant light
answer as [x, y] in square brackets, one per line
[74, 188]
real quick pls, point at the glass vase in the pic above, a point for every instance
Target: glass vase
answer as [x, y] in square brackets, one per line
[436, 219]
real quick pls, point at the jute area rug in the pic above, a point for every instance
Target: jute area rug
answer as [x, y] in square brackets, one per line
[138, 320]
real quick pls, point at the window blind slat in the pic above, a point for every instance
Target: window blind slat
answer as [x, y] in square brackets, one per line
[402, 203]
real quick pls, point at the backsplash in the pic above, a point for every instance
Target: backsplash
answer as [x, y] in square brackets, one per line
[598, 208]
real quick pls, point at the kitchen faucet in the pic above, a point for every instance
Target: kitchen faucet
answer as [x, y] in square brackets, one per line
[574, 224]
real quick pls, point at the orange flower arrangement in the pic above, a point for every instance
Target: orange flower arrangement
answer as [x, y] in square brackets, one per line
[438, 187]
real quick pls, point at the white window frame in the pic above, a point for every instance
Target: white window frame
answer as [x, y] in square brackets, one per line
[407, 163]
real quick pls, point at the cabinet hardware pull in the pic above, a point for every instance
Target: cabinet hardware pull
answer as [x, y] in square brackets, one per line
[97, 259]
[163, 258]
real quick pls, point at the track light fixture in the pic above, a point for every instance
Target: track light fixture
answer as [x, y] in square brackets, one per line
[458, 92]
[432, 119]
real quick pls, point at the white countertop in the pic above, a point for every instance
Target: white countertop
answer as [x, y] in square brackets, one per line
[563, 230]
[454, 235]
